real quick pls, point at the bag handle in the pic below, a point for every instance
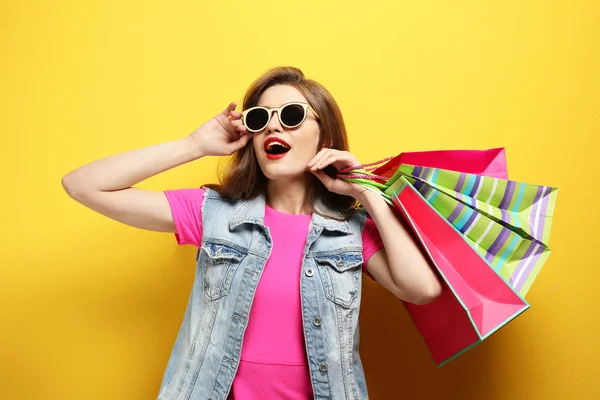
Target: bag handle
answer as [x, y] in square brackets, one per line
[362, 171]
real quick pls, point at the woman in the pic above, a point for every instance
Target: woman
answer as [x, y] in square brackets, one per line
[273, 312]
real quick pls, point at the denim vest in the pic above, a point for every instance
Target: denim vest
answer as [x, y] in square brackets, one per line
[235, 247]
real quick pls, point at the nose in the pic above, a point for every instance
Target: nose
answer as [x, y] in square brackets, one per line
[274, 125]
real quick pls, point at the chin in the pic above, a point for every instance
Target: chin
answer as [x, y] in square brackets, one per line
[276, 172]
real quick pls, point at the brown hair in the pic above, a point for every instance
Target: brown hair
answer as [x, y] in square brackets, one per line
[243, 179]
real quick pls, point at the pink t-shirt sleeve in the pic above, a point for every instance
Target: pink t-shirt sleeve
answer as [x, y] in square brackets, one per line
[186, 208]
[371, 242]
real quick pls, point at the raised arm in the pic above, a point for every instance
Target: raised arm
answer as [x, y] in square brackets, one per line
[106, 185]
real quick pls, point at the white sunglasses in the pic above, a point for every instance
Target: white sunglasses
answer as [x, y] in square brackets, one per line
[290, 115]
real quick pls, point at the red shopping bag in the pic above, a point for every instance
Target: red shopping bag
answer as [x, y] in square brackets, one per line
[475, 301]
[490, 162]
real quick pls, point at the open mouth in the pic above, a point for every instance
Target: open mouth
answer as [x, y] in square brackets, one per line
[276, 148]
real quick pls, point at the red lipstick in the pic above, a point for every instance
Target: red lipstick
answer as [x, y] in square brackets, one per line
[276, 148]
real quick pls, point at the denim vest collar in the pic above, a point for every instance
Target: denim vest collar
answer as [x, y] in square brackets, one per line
[253, 211]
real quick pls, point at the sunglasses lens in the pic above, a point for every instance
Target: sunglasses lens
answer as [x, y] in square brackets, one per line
[292, 115]
[257, 119]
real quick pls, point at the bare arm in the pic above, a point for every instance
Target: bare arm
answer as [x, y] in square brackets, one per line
[106, 185]
[401, 267]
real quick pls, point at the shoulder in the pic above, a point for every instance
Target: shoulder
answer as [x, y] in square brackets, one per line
[211, 192]
[356, 222]
[218, 206]
[360, 216]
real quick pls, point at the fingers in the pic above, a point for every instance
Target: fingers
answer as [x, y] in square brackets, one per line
[223, 117]
[239, 129]
[230, 108]
[239, 125]
[326, 179]
[235, 122]
[323, 159]
[328, 159]
[317, 158]
[240, 143]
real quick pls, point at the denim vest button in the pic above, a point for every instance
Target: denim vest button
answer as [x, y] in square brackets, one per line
[323, 367]
[317, 321]
[309, 272]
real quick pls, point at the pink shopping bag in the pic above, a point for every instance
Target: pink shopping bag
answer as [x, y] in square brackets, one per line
[490, 162]
[475, 301]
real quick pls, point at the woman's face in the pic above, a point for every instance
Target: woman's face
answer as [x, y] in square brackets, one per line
[302, 141]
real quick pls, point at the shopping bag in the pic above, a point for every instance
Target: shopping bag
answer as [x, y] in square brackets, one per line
[487, 237]
[506, 222]
[475, 300]
[525, 207]
[491, 162]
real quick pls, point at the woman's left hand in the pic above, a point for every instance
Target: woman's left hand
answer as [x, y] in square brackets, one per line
[339, 160]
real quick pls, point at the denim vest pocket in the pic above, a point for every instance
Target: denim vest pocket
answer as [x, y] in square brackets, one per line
[221, 262]
[340, 274]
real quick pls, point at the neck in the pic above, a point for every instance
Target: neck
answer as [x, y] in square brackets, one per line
[289, 196]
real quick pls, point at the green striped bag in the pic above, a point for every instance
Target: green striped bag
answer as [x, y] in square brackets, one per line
[525, 208]
[508, 223]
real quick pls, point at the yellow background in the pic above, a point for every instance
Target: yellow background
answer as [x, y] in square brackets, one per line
[90, 308]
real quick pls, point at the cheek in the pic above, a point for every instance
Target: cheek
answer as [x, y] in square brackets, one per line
[310, 142]
[308, 149]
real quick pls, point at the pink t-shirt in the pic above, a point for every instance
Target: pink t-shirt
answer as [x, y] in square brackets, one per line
[273, 363]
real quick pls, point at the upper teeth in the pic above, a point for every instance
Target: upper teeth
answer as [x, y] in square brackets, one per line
[270, 145]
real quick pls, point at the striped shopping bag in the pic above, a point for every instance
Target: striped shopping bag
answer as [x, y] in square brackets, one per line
[491, 162]
[486, 235]
[506, 222]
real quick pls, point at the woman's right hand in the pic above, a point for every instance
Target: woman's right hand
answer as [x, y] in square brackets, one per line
[222, 135]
